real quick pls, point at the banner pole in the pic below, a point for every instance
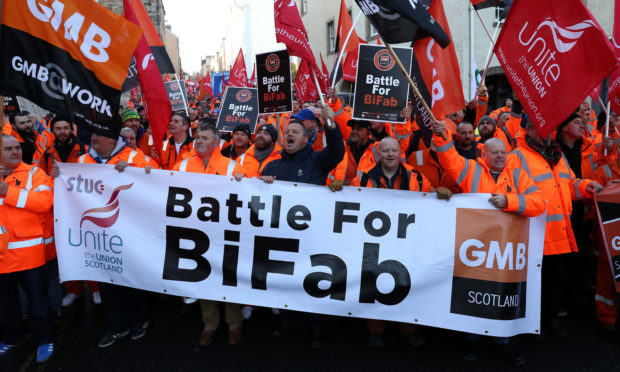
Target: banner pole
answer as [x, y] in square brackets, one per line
[345, 44]
[318, 89]
[413, 86]
[485, 27]
[607, 124]
[183, 93]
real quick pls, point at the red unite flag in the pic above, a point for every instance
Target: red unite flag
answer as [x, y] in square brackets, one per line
[613, 93]
[304, 83]
[238, 73]
[439, 68]
[553, 57]
[156, 101]
[206, 88]
[290, 30]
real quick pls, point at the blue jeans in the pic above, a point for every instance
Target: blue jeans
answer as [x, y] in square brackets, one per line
[34, 282]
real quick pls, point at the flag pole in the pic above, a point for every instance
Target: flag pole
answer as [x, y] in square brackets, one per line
[318, 88]
[483, 25]
[346, 41]
[183, 93]
[603, 106]
[413, 86]
[607, 124]
[489, 58]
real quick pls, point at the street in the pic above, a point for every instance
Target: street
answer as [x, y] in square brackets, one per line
[171, 345]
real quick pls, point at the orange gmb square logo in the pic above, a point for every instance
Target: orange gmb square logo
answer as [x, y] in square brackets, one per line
[490, 264]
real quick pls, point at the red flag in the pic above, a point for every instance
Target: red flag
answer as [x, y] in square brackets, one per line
[304, 83]
[440, 68]
[134, 93]
[349, 65]
[596, 92]
[206, 88]
[555, 54]
[613, 92]
[344, 26]
[290, 30]
[253, 78]
[238, 73]
[156, 101]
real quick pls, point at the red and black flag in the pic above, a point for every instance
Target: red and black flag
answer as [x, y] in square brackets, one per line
[152, 38]
[399, 21]
[70, 58]
[503, 4]
[156, 102]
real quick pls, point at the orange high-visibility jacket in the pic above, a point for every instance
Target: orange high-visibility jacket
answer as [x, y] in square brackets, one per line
[504, 135]
[4, 241]
[342, 114]
[168, 156]
[218, 164]
[483, 105]
[427, 163]
[606, 173]
[524, 197]
[30, 195]
[348, 168]
[495, 113]
[559, 187]
[133, 157]
[252, 166]
[44, 141]
[415, 180]
[45, 159]
[146, 143]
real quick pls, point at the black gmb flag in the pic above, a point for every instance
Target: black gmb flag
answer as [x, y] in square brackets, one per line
[69, 57]
[400, 21]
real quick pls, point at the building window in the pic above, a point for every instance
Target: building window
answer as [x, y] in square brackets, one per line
[331, 37]
[372, 31]
[304, 7]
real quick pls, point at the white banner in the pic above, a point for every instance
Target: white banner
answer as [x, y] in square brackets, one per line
[367, 253]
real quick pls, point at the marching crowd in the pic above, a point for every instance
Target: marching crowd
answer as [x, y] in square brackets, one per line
[475, 150]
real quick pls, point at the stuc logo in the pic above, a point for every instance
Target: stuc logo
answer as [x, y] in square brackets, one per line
[107, 215]
[272, 63]
[490, 264]
[244, 95]
[383, 60]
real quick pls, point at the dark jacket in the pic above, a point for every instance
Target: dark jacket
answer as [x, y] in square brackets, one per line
[309, 166]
